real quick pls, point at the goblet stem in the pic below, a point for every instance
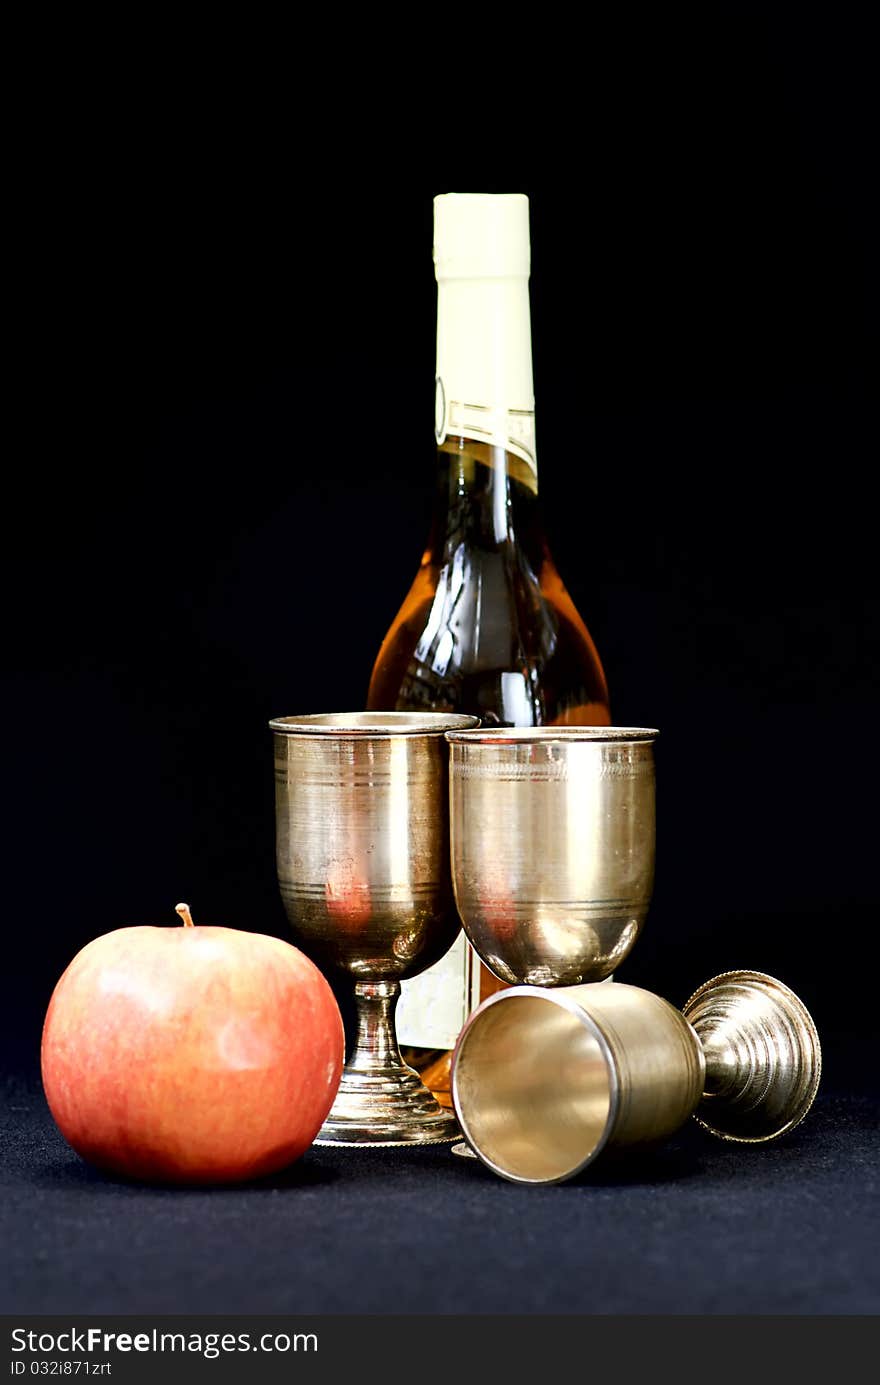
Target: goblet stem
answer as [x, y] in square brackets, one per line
[381, 1101]
[375, 1045]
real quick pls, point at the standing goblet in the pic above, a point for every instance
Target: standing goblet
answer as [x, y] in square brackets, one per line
[552, 847]
[363, 865]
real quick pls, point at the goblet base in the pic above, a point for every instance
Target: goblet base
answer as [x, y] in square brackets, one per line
[386, 1108]
[763, 1058]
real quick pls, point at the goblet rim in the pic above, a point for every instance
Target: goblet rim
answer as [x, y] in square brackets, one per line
[588, 1022]
[372, 725]
[546, 735]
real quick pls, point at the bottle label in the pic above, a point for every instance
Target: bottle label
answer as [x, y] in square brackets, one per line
[434, 1005]
[512, 429]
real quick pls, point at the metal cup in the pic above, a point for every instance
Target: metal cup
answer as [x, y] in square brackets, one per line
[543, 1081]
[552, 832]
[363, 866]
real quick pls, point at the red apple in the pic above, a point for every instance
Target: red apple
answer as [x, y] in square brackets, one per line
[191, 1055]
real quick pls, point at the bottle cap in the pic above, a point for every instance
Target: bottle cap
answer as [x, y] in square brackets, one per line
[480, 235]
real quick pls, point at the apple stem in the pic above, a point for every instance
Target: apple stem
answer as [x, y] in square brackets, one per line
[183, 910]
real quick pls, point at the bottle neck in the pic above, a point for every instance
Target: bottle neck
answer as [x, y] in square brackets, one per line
[484, 392]
[486, 498]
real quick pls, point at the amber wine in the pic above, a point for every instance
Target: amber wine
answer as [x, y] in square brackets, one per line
[487, 626]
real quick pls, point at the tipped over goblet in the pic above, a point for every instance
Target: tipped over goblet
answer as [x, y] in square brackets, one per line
[545, 1080]
[363, 865]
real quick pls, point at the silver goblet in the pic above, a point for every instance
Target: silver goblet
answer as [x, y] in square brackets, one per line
[363, 866]
[545, 1080]
[552, 847]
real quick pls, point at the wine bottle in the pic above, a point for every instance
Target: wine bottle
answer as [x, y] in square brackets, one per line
[487, 626]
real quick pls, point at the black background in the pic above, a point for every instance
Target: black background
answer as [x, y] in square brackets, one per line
[219, 491]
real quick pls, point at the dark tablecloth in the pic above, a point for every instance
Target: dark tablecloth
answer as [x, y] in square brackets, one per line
[695, 1227]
